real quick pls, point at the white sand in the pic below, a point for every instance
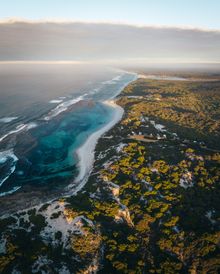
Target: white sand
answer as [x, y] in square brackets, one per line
[86, 152]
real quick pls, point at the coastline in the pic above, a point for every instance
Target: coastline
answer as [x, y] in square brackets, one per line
[86, 156]
[86, 153]
[115, 207]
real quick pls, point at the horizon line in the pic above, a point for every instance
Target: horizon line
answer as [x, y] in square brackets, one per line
[14, 20]
[61, 62]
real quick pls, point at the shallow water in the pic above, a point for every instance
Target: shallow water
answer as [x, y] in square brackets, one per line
[52, 158]
[39, 148]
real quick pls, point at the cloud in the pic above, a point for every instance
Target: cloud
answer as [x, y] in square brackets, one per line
[105, 42]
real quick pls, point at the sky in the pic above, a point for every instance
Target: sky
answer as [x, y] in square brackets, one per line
[104, 42]
[193, 13]
[135, 31]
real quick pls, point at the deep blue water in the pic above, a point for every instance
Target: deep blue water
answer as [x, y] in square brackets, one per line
[42, 151]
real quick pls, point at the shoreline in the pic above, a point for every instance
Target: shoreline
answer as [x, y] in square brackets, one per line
[135, 190]
[86, 153]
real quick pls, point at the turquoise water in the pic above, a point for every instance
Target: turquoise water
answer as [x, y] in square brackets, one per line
[45, 155]
[52, 160]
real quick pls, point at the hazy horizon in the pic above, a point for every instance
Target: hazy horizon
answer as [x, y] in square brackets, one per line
[107, 43]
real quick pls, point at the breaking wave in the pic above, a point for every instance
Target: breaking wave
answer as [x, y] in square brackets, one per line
[8, 162]
[7, 119]
[18, 129]
[62, 107]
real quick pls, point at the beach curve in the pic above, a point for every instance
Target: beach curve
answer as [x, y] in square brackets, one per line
[86, 153]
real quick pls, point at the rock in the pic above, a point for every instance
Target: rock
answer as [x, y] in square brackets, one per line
[124, 215]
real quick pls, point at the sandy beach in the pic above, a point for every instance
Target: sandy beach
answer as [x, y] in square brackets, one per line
[86, 152]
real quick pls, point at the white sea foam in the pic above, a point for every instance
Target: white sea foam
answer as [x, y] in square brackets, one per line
[117, 78]
[94, 91]
[14, 189]
[7, 119]
[108, 82]
[55, 101]
[18, 129]
[123, 85]
[62, 107]
[31, 125]
[112, 81]
[8, 155]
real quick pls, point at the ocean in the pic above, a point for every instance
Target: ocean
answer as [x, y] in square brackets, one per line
[47, 112]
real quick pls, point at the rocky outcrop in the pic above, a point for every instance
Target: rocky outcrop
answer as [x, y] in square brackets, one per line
[115, 189]
[124, 215]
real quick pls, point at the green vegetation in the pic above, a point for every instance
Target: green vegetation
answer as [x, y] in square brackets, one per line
[86, 245]
[192, 109]
[147, 207]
